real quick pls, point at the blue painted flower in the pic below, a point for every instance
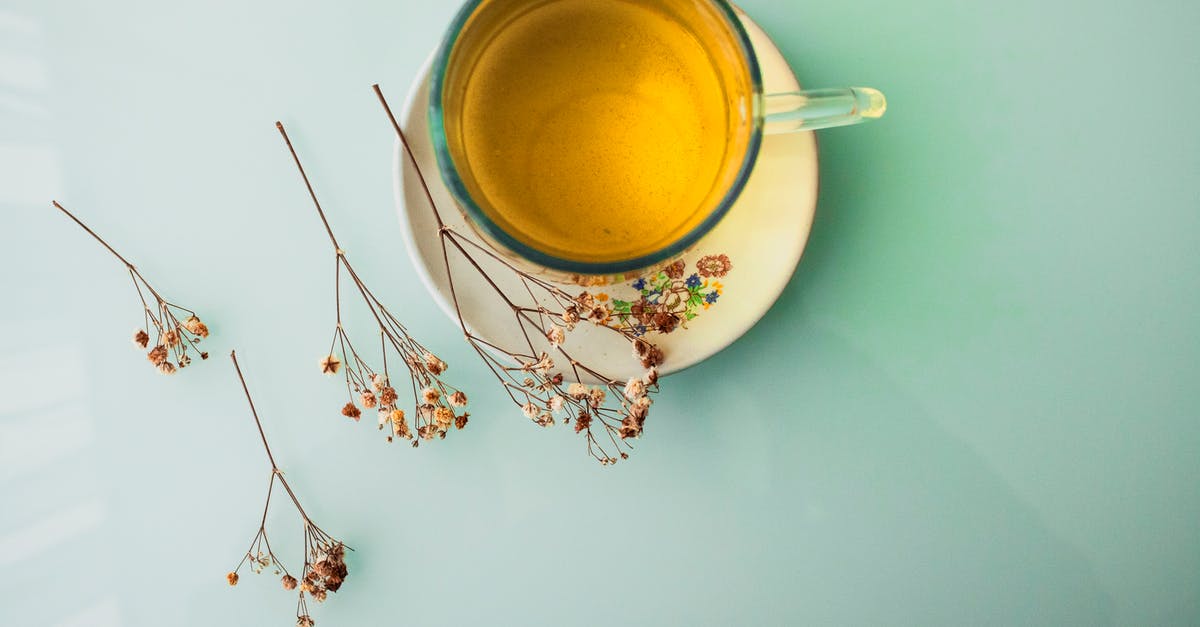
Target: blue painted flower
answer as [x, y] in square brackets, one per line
[693, 281]
[639, 284]
[639, 330]
[711, 298]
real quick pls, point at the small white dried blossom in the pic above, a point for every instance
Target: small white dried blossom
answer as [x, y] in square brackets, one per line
[556, 403]
[635, 389]
[578, 391]
[543, 365]
[531, 411]
[431, 395]
[596, 397]
[556, 336]
[436, 366]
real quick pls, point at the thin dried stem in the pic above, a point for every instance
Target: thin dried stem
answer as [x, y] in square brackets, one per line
[174, 339]
[619, 408]
[324, 567]
[437, 405]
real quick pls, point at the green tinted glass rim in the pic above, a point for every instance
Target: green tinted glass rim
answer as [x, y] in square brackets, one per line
[452, 180]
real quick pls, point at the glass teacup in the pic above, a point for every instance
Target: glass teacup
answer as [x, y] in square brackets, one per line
[595, 140]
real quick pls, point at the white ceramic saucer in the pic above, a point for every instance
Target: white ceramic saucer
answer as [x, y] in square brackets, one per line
[762, 238]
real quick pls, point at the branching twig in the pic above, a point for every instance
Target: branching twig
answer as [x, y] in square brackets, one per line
[531, 377]
[437, 405]
[173, 338]
[324, 567]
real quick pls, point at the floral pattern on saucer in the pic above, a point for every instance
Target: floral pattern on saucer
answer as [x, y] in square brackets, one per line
[671, 298]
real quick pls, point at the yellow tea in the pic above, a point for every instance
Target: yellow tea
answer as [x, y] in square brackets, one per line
[595, 130]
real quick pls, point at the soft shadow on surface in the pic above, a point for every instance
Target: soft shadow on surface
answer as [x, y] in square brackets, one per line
[874, 513]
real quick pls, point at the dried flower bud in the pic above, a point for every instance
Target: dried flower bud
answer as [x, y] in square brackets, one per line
[378, 382]
[543, 365]
[570, 317]
[141, 338]
[583, 422]
[289, 582]
[629, 429]
[599, 313]
[232, 578]
[557, 379]
[640, 408]
[304, 620]
[435, 365]
[330, 364]
[578, 391]
[556, 336]
[158, 355]
[185, 361]
[652, 376]
[387, 396]
[166, 367]
[195, 327]
[531, 411]
[431, 395]
[444, 417]
[585, 301]
[319, 595]
[650, 354]
[171, 337]
[596, 397]
[460, 422]
[556, 403]
[351, 411]
[368, 400]
[635, 389]
[400, 425]
[458, 399]
[385, 417]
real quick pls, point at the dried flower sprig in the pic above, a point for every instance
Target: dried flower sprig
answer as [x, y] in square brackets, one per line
[177, 330]
[437, 405]
[324, 568]
[532, 377]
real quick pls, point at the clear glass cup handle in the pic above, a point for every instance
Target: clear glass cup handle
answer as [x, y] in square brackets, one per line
[820, 108]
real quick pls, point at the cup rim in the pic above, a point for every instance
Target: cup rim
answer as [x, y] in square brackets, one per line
[458, 189]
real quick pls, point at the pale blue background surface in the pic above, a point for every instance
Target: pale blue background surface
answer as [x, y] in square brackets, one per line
[976, 403]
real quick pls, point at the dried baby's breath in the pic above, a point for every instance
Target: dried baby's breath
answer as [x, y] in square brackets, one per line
[368, 381]
[174, 340]
[609, 414]
[324, 569]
